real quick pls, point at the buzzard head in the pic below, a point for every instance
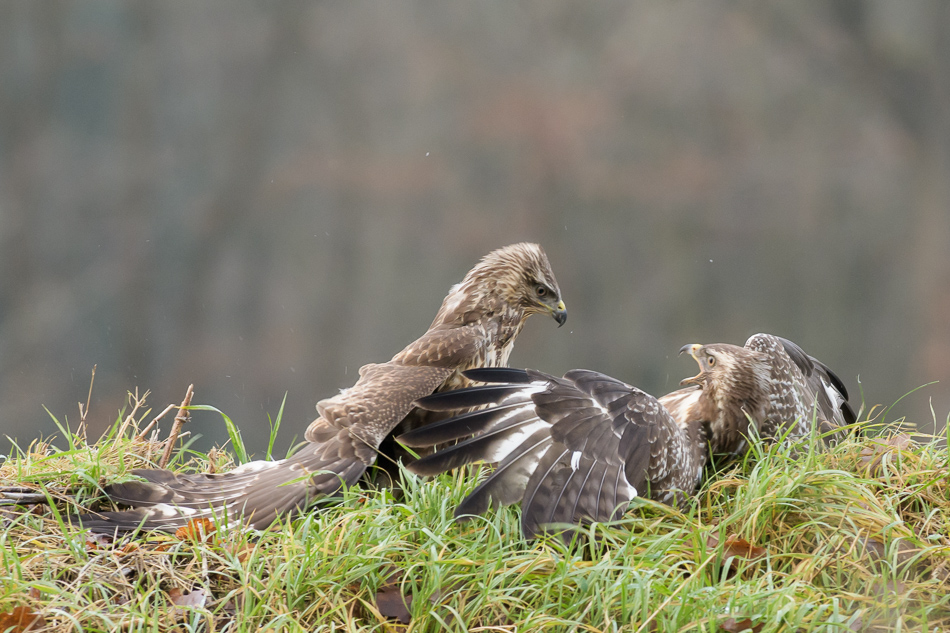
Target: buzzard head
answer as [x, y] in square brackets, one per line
[533, 286]
[728, 368]
[735, 384]
[515, 282]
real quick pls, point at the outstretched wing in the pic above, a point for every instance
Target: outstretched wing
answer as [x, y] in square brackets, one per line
[571, 449]
[477, 324]
[801, 388]
[343, 444]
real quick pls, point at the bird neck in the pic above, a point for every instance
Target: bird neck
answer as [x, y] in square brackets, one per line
[737, 403]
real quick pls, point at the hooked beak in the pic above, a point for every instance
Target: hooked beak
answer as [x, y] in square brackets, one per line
[700, 378]
[559, 312]
[692, 348]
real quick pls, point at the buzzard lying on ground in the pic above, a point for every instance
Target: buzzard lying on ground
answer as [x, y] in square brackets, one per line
[579, 448]
[476, 326]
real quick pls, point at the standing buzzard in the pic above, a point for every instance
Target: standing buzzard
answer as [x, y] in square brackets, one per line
[579, 448]
[476, 326]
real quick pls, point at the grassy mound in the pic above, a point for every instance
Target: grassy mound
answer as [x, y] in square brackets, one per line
[854, 539]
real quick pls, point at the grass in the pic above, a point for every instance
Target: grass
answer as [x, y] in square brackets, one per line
[854, 539]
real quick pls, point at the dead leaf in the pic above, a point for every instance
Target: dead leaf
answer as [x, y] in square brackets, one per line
[193, 598]
[197, 530]
[241, 551]
[390, 600]
[21, 619]
[736, 547]
[35, 593]
[97, 541]
[392, 604]
[734, 626]
[872, 457]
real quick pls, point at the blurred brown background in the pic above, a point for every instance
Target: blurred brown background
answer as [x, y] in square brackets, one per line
[260, 197]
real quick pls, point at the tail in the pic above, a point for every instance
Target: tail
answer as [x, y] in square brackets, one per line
[253, 494]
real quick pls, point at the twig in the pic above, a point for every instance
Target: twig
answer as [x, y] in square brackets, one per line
[161, 415]
[136, 403]
[182, 417]
[85, 411]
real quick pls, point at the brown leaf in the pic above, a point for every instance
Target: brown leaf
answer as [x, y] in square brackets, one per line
[742, 548]
[197, 530]
[734, 626]
[390, 600]
[392, 604]
[736, 547]
[97, 541]
[193, 598]
[21, 619]
[872, 457]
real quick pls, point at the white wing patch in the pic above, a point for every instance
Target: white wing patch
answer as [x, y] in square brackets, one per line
[836, 398]
[170, 511]
[575, 460]
[515, 439]
[630, 490]
[255, 466]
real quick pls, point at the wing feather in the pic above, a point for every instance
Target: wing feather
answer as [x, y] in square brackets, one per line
[595, 444]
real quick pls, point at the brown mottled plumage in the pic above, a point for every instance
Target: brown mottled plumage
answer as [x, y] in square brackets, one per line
[475, 327]
[579, 448]
[770, 381]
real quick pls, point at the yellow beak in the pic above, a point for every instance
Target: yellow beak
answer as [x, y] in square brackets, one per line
[559, 312]
[693, 349]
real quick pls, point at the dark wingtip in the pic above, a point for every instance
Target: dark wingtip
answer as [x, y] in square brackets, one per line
[466, 398]
[454, 428]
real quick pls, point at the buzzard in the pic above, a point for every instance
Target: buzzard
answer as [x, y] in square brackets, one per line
[578, 448]
[771, 381]
[476, 326]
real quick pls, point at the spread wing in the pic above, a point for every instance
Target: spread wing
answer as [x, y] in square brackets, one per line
[476, 325]
[571, 449]
[343, 444]
[801, 388]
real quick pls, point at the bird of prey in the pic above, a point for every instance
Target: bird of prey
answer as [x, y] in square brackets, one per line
[770, 381]
[579, 448]
[476, 326]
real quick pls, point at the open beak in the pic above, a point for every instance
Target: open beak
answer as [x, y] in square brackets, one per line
[700, 378]
[559, 312]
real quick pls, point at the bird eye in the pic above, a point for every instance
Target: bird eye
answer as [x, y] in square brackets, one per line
[541, 290]
[711, 361]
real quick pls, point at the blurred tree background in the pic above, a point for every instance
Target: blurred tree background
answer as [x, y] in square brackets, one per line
[258, 198]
